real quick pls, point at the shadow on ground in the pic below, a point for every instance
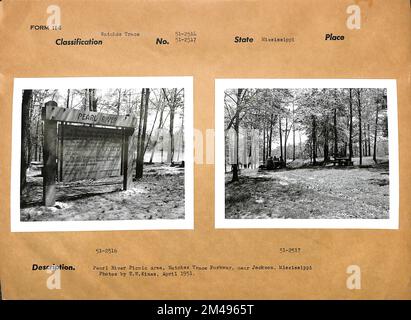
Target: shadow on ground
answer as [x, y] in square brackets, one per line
[320, 192]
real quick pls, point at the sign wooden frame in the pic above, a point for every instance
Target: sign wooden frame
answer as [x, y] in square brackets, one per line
[52, 114]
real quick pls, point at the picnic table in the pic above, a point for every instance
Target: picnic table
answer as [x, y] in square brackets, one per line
[342, 161]
[272, 164]
[36, 164]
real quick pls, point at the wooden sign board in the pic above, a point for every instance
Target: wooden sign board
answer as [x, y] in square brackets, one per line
[54, 113]
[90, 153]
[86, 152]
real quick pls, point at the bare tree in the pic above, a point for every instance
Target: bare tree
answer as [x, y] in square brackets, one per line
[359, 124]
[25, 137]
[142, 127]
[237, 129]
[351, 127]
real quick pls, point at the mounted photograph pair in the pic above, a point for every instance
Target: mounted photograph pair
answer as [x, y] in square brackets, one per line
[94, 154]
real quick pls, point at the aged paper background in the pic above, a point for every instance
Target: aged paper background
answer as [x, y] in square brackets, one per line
[380, 49]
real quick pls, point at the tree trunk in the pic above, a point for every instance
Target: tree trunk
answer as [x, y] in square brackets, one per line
[91, 100]
[359, 124]
[293, 134]
[68, 99]
[326, 154]
[281, 139]
[374, 157]
[310, 148]
[143, 135]
[36, 155]
[119, 101]
[285, 141]
[314, 138]
[25, 136]
[335, 134]
[236, 128]
[365, 141]
[139, 163]
[171, 133]
[264, 144]
[350, 149]
[235, 165]
[369, 139]
[29, 137]
[85, 102]
[141, 144]
[271, 136]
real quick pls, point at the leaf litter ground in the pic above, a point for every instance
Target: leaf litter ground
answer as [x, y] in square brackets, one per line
[158, 195]
[310, 193]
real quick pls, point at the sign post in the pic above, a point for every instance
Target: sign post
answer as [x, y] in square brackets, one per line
[124, 159]
[49, 159]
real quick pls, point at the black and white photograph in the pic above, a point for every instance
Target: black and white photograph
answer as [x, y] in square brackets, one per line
[108, 150]
[307, 154]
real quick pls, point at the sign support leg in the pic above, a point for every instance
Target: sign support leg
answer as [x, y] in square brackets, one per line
[61, 152]
[50, 165]
[125, 159]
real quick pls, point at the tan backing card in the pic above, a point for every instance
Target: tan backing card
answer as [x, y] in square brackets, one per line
[380, 49]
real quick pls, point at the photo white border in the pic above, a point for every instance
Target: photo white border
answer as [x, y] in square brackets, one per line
[20, 84]
[222, 223]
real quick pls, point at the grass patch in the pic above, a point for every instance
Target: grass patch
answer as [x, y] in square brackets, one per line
[234, 199]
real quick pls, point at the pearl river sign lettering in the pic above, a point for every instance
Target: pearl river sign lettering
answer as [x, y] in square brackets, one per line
[82, 145]
[52, 112]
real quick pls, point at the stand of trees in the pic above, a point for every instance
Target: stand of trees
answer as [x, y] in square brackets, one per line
[323, 123]
[159, 112]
